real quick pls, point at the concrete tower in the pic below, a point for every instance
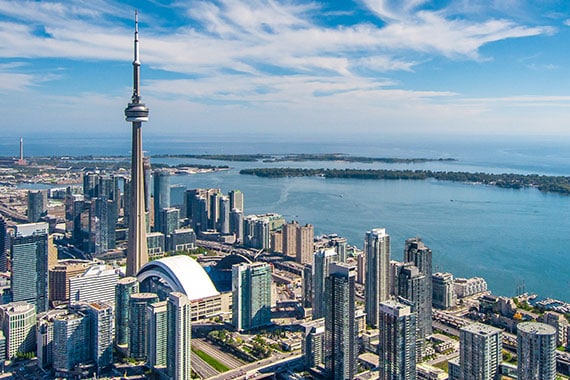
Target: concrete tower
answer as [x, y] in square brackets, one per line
[137, 113]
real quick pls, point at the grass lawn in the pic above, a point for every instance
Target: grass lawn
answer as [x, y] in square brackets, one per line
[443, 365]
[220, 367]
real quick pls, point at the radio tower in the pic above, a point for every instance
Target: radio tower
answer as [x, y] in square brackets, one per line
[137, 113]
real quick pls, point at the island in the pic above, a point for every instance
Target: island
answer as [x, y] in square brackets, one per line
[551, 184]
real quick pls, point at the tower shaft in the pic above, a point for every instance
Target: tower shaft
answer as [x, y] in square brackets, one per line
[137, 251]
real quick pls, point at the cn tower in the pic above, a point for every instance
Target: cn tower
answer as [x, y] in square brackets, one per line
[137, 113]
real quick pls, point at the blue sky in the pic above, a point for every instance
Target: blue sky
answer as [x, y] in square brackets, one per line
[288, 69]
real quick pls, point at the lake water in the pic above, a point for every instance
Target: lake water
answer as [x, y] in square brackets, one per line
[509, 237]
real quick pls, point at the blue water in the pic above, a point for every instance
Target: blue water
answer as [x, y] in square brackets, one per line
[509, 237]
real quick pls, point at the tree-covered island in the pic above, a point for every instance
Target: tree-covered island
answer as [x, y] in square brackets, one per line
[551, 184]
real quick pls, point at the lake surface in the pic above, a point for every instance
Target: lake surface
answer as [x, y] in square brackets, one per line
[509, 237]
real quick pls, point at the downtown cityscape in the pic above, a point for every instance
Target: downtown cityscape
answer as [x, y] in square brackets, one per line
[112, 268]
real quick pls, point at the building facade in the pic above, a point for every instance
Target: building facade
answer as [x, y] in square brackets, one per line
[480, 352]
[536, 351]
[251, 293]
[397, 345]
[341, 330]
[377, 268]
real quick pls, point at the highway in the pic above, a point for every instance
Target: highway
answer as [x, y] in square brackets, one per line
[223, 357]
[277, 363]
[202, 368]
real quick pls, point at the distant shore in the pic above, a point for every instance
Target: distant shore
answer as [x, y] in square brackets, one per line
[303, 157]
[550, 184]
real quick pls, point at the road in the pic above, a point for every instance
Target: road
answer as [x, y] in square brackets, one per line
[223, 357]
[277, 363]
[202, 368]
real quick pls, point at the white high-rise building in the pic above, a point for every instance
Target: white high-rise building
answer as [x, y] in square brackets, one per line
[179, 337]
[377, 289]
[321, 262]
[96, 284]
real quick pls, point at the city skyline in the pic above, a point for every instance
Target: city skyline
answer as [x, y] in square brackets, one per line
[374, 66]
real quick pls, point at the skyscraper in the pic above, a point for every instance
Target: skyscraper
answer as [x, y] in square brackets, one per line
[138, 339]
[224, 219]
[377, 251]
[305, 246]
[418, 253]
[236, 199]
[30, 265]
[536, 351]
[37, 205]
[341, 330]
[179, 336]
[321, 264]
[101, 323]
[157, 334]
[290, 239]
[412, 285]
[251, 294]
[71, 341]
[123, 290]
[480, 352]
[397, 346]
[4, 245]
[137, 113]
[161, 194]
[168, 220]
[443, 295]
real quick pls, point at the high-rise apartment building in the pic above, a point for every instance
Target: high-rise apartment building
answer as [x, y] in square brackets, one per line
[305, 245]
[103, 214]
[443, 293]
[480, 352]
[236, 224]
[4, 245]
[18, 322]
[138, 338]
[313, 343]
[290, 239]
[157, 334]
[341, 330]
[179, 336]
[30, 265]
[124, 288]
[168, 220]
[71, 341]
[397, 345]
[101, 333]
[377, 251]
[536, 351]
[224, 219]
[236, 200]
[251, 294]
[412, 286]
[321, 264]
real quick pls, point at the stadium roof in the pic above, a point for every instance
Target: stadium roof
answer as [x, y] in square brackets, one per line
[182, 274]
